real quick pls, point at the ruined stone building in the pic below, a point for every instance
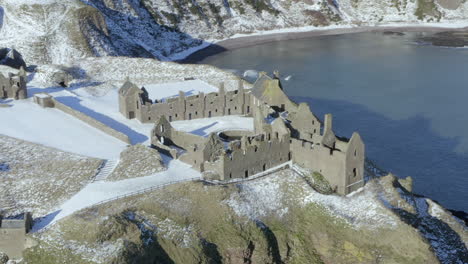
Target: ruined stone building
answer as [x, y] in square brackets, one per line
[14, 86]
[283, 132]
[135, 103]
[13, 239]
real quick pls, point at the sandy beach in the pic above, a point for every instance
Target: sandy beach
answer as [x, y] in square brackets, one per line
[256, 39]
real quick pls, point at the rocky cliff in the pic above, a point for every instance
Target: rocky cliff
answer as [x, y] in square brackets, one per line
[277, 219]
[57, 32]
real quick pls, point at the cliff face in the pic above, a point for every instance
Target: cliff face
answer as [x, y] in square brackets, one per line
[56, 31]
[277, 219]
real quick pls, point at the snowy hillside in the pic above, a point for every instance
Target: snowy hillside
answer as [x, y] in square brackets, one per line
[56, 31]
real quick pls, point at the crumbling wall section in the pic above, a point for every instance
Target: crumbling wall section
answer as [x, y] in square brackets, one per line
[330, 163]
[259, 155]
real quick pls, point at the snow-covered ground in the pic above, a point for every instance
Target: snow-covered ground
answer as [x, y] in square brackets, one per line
[26, 120]
[97, 192]
[205, 126]
[171, 89]
[51, 127]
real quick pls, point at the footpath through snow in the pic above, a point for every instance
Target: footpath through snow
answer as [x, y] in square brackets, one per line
[97, 192]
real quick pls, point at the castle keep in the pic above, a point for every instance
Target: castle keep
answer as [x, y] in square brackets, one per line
[14, 86]
[283, 132]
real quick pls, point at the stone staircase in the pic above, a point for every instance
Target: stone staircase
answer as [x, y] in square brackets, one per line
[106, 168]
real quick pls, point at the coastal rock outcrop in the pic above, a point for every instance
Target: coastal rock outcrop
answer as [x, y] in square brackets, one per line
[276, 219]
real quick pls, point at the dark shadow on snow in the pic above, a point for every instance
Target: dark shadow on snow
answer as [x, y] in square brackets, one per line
[74, 102]
[201, 131]
[40, 223]
[4, 167]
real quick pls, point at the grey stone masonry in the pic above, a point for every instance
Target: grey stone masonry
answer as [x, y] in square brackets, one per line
[135, 103]
[283, 132]
[14, 86]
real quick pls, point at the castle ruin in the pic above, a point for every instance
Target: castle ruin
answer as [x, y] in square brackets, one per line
[14, 86]
[283, 132]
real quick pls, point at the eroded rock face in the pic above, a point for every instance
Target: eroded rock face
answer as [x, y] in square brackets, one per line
[276, 219]
[448, 39]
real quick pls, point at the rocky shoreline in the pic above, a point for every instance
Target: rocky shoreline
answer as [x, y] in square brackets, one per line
[245, 41]
[447, 39]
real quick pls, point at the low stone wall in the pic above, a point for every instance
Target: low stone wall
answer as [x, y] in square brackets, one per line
[91, 121]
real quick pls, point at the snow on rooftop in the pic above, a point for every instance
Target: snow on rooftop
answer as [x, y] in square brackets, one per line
[204, 126]
[167, 90]
[42, 95]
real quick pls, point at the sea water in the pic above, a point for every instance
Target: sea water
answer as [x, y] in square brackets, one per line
[408, 101]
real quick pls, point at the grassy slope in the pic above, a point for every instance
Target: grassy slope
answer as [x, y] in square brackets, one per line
[194, 223]
[137, 161]
[39, 178]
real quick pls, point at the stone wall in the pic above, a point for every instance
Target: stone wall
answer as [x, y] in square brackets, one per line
[91, 121]
[312, 155]
[183, 107]
[343, 167]
[12, 242]
[43, 99]
[279, 137]
[258, 155]
[13, 239]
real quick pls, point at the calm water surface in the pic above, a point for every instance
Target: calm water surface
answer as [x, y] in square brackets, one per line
[408, 102]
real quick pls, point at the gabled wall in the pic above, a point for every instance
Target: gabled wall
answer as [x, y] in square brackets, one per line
[304, 123]
[355, 155]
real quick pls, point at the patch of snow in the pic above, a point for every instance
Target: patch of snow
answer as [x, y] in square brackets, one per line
[172, 231]
[96, 252]
[42, 95]
[251, 74]
[361, 209]
[97, 192]
[258, 199]
[171, 89]
[54, 128]
[205, 126]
